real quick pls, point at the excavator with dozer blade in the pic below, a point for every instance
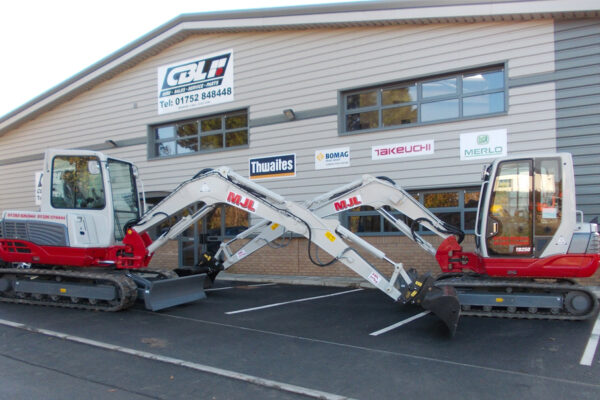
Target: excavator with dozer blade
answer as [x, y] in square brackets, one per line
[530, 240]
[89, 247]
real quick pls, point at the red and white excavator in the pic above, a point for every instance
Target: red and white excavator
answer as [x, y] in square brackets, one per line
[88, 246]
[530, 240]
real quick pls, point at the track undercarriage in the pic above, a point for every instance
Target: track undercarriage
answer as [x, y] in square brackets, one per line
[525, 298]
[98, 289]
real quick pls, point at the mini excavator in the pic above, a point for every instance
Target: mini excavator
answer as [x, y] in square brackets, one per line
[88, 246]
[530, 240]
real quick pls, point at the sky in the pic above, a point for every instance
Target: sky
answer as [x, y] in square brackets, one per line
[43, 43]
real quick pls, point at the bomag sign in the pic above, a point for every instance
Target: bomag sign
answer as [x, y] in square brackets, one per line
[196, 82]
[332, 158]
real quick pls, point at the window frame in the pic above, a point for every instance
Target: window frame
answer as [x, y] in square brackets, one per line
[419, 195]
[153, 140]
[417, 82]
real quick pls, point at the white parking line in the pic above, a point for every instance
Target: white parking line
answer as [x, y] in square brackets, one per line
[182, 363]
[590, 350]
[234, 287]
[399, 324]
[290, 302]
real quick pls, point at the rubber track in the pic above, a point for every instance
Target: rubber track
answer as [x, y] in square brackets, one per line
[560, 288]
[126, 289]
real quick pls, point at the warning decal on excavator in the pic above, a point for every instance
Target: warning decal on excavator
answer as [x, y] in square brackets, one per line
[374, 278]
[330, 236]
[241, 254]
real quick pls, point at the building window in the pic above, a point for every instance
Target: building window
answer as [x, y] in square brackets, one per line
[462, 95]
[209, 133]
[458, 207]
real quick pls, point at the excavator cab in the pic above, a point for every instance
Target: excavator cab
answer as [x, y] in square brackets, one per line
[88, 204]
[528, 224]
[100, 190]
[531, 201]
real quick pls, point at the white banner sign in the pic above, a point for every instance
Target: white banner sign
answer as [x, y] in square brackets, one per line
[196, 82]
[400, 150]
[332, 158]
[488, 144]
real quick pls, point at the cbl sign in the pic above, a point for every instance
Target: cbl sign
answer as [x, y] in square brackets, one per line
[488, 144]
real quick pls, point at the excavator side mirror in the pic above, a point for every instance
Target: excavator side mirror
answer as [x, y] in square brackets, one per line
[485, 172]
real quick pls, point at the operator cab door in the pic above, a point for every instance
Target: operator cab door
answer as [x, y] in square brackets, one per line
[525, 209]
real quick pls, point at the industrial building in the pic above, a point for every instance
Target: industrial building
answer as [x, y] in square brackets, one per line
[305, 99]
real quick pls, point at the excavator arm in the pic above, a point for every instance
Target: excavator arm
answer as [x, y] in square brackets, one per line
[223, 186]
[380, 193]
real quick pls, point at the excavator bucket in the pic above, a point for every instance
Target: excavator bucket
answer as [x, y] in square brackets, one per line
[441, 301]
[165, 293]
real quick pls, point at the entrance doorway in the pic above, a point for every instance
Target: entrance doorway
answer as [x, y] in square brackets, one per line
[223, 223]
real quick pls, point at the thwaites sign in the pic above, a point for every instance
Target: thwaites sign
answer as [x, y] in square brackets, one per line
[196, 82]
[478, 145]
[272, 166]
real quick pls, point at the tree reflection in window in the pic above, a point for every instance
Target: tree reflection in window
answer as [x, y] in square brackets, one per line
[454, 96]
[211, 133]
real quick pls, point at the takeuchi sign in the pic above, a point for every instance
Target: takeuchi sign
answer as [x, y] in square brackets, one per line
[400, 150]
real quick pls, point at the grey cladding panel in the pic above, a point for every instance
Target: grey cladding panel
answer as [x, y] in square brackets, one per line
[578, 60]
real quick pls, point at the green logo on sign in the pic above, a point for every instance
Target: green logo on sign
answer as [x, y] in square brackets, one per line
[483, 139]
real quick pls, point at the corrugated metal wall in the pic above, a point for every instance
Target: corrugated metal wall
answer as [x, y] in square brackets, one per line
[305, 70]
[578, 106]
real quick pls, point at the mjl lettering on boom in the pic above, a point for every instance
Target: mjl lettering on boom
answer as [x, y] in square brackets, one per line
[242, 202]
[350, 202]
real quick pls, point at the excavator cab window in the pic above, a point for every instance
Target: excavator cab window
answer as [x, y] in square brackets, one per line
[124, 195]
[77, 183]
[510, 215]
[526, 207]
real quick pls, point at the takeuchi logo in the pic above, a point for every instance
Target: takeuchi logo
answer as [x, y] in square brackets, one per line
[402, 150]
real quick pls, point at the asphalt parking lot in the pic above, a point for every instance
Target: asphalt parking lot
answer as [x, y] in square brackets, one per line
[278, 341]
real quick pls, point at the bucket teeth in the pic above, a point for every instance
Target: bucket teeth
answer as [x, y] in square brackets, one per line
[441, 301]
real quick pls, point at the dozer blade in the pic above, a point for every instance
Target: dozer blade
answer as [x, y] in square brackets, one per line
[167, 293]
[443, 302]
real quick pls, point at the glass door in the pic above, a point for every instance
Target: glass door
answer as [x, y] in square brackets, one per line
[510, 217]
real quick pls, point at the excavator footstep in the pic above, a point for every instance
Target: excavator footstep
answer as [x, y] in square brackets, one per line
[167, 293]
[443, 303]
